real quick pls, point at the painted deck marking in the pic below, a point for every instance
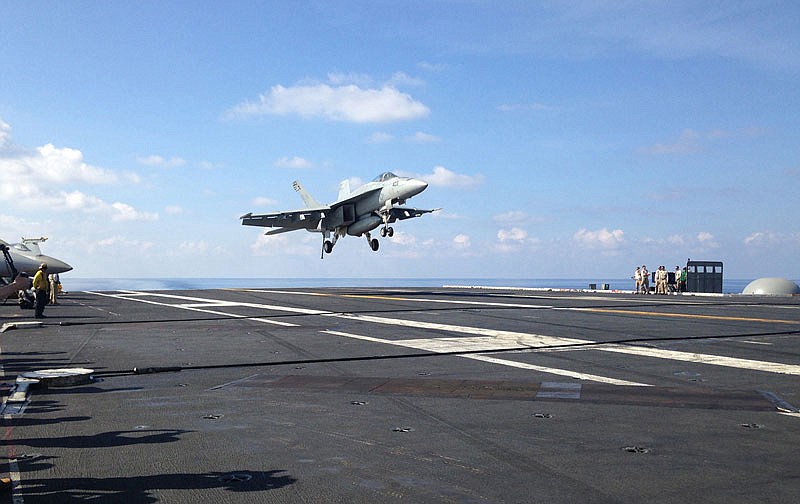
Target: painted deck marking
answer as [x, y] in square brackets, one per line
[536, 341]
[675, 302]
[443, 345]
[499, 339]
[683, 315]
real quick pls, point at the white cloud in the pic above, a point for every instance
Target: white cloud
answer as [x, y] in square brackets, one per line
[293, 162]
[462, 241]
[403, 238]
[443, 177]
[42, 178]
[602, 238]
[161, 162]
[513, 234]
[768, 239]
[707, 240]
[420, 137]
[173, 209]
[348, 103]
[125, 212]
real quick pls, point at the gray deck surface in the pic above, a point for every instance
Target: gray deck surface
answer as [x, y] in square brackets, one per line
[406, 395]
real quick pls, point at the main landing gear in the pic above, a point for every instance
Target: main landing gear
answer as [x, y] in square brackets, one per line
[373, 242]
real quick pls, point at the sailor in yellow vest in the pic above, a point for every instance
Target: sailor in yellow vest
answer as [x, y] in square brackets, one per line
[40, 285]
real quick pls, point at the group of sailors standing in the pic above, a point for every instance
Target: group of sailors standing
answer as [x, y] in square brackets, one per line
[661, 278]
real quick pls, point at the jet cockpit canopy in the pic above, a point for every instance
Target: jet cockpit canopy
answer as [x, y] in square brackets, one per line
[383, 177]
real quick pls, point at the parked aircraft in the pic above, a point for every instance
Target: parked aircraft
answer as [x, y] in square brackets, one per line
[26, 256]
[354, 213]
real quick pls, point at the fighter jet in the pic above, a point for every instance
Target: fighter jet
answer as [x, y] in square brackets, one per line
[26, 256]
[354, 213]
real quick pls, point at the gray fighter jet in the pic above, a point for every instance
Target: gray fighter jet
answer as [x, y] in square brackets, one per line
[354, 213]
[26, 256]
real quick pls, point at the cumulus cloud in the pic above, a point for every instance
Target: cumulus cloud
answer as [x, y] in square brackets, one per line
[125, 212]
[442, 177]
[767, 239]
[41, 178]
[600, 239]
[513, 234]
[403, 238]
[293, 162]
[161, 162]
[462, 241]
[707, 240]
[346, 102]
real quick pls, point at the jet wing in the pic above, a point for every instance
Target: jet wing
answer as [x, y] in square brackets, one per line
[403, 213]
[353, 197]
[307, 218]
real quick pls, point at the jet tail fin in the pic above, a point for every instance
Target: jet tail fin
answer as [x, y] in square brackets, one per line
[307, 198]
[344, 189]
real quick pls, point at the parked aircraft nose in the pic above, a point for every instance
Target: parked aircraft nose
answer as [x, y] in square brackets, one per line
[54, 265]
[415, 186]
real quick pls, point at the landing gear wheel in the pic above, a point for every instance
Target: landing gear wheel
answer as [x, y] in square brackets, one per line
[373, 244]
[384, 232]
[390, 232]
[327, 247]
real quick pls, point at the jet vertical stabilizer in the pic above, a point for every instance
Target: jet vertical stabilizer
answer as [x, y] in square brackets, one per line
[307, 198]
[344, 190]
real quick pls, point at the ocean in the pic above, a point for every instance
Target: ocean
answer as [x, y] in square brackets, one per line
[112, 284]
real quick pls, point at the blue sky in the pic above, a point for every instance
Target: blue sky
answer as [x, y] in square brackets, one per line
[560, 139]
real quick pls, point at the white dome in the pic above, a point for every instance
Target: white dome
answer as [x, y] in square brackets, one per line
[772, 287]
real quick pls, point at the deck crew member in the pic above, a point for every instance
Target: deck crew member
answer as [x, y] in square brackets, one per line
[40, 285]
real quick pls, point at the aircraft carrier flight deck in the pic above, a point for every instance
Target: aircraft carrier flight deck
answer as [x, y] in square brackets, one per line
[364, 395]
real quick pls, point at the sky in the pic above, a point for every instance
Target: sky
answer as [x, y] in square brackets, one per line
[559, 139]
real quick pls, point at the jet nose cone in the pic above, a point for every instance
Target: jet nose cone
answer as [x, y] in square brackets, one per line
[55, 266]
[416, 186]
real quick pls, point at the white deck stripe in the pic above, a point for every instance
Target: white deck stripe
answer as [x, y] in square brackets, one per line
[714, 360]
[194, 307]
[444, 345]
[539, 341]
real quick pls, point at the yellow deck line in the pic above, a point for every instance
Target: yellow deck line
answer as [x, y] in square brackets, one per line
[686, 315]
